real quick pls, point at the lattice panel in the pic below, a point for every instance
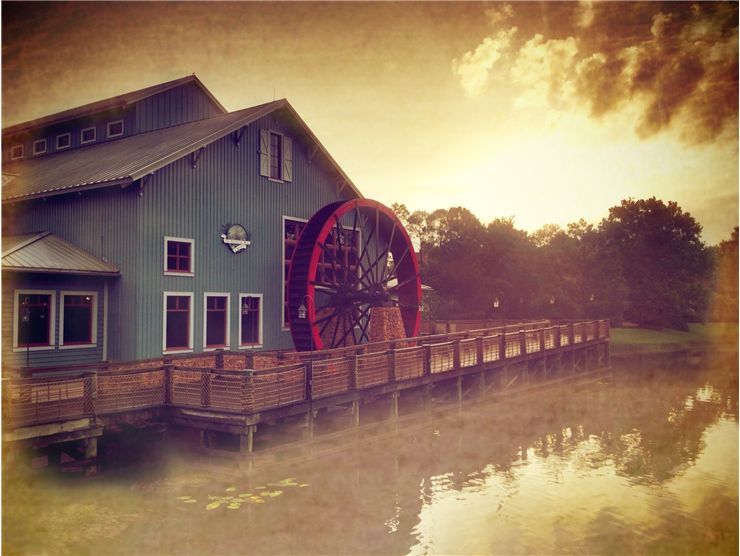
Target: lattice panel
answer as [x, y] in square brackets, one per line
[442, 358]
[226, 391]
[332, 376]
[533, 341]
[491, 348]
[32, 402]
[550, 338]
[564, 338]
[278, 388]
[409, 363]
[186, 387]
[133, 390]
[513, 345]
[468, 352]
[372, 369]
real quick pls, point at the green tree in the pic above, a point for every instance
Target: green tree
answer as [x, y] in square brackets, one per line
[663, 261]
[724, 302]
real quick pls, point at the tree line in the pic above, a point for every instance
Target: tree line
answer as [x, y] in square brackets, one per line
[644, 263]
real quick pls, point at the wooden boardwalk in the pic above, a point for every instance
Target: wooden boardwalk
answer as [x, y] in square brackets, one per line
[228, 392]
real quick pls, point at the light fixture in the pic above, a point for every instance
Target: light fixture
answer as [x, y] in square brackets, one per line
[496, 303]
[302, 311]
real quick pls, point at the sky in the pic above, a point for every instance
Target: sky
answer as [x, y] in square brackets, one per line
[544, 112]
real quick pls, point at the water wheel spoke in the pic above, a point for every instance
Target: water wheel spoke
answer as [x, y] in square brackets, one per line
[406, 281]
[387, 250]
[394, 273]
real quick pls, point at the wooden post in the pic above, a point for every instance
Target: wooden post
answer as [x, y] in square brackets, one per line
[219, 359]
[248, 391]
[571, 334]
[249, 360]
[309, 423]
[246, 441]
[502, 346]
[448, 327]
[522, 343]
[542, 340]
[167, 366]
[557, 337]
[427, 359]
[394, 405]
[205, 388]
[392, 356]
[456, 354]
[479, 354]
[309, 380]
[356, 413]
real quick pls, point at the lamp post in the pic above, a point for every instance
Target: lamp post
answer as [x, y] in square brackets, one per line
[303, 312]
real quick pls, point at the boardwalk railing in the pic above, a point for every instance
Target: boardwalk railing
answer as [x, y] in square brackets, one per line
[216, 382]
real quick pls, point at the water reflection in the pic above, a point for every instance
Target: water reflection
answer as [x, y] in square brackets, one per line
[644, 462]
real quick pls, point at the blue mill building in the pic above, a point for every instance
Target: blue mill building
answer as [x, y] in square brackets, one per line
[155, 222]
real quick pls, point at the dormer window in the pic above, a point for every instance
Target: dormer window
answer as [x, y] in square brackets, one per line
[39, 147]
[115, 129]
[16, 152]
[87, 135]
[64, 141]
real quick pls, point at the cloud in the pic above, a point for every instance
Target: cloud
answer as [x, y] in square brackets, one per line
[543, 68]
[497, 14]
[677, 64]
[474, 67]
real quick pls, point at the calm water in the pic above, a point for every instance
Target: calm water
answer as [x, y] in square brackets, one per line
[642, 462]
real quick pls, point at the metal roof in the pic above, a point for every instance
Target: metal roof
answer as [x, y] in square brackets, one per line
[48, 253]
[110, 103]
[125, 160]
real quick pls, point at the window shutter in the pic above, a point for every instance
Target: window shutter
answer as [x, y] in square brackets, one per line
[287, 158]
[265, 152]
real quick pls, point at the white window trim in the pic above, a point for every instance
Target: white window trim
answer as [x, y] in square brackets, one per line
[94, 332]
[18, 157]
[192, 256]
[227, 295]
[38, 142]
[109, 134]
[82, 135]
[52, 314]
[191, 320]
[69, 136]
[261, 321]
[282, 271]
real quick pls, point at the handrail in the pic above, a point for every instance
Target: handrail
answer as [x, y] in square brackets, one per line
[164, 381]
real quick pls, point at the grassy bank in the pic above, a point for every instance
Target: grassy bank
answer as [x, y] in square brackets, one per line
[643, 340]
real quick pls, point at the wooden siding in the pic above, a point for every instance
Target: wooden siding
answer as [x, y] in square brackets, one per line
[57, 283]
[105, 223]
[179, 105]
[127, 227]
[226, 188]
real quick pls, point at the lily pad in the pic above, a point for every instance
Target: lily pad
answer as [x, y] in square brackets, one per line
[184, 497]
[231, 489]
[191, 501]
[303, 485]
[245, 495]
[233, 506]
[214, 505]
[260, 488]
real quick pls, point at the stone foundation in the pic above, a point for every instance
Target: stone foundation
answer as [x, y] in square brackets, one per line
[385, 324]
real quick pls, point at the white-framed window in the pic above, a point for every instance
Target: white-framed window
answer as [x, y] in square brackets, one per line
[88, 135]
[250, 320]
[39, 147]
[292, 229]
[216, 321]
[64, 141]
[115, 129]
[177, 322]
[34, 312]
[78, 320]
[16, 152]
[179, 256]
[276, 156]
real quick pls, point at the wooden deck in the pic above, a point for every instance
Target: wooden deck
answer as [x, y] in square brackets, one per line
[229, 395]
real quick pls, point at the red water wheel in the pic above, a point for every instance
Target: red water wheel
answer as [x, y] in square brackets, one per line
[352, 257]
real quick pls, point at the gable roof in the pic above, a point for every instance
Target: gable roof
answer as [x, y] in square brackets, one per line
[110, 103]
[48, 253]
[123, 161]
